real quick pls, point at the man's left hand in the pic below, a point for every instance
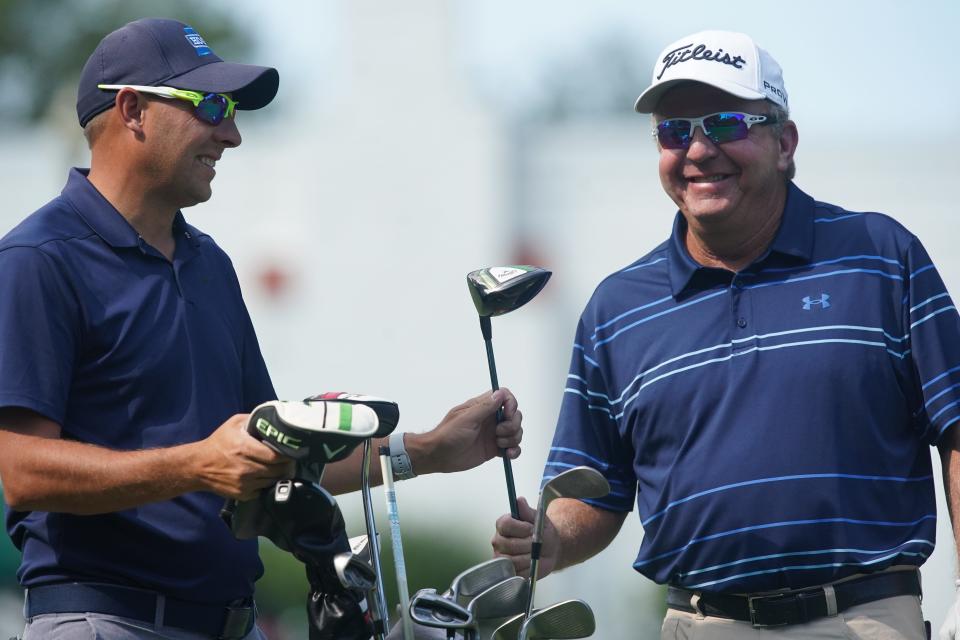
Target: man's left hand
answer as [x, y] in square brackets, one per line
[468, 435]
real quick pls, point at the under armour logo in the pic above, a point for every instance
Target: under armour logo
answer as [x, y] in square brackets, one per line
[823, 301]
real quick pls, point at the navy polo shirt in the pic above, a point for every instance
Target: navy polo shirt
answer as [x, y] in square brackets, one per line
[773, 425]
[124, 349]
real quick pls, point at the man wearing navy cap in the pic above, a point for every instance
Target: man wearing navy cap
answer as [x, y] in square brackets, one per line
[765, 385]
[128, 361]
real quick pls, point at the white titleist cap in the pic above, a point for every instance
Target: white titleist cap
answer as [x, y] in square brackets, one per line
[729, 61]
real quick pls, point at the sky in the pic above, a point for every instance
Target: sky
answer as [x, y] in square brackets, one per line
[876, 65]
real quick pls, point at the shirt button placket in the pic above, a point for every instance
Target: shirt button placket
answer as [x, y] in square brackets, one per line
[736, 307]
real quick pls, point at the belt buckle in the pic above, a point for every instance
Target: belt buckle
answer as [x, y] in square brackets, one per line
[237, 623]
[753, 611]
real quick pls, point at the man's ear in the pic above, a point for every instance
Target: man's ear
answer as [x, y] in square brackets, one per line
[789, 139]
[131, 108]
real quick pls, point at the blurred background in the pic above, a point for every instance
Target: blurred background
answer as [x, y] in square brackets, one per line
[413, 142]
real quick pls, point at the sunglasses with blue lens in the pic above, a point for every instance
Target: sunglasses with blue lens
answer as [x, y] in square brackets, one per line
[211, 108]
[725, 126]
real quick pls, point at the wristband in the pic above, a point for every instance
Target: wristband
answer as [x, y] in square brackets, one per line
[399, 460]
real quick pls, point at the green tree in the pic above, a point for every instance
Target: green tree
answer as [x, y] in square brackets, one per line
[44, 43]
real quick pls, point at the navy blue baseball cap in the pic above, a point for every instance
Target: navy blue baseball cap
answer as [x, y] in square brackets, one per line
[157, 52]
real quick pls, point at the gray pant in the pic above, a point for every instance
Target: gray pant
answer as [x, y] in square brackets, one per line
[99, 626]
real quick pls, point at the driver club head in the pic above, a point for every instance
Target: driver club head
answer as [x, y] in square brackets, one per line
[567, 619]
[499, 290]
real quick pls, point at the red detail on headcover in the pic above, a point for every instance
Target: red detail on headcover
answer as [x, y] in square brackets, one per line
[331, 395]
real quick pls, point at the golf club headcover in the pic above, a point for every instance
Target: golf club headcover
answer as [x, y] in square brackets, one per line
[299, 517]
[387, 412]
[322, 429]
[338, 616]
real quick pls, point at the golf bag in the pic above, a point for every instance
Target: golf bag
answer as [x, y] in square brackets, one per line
[300, 517]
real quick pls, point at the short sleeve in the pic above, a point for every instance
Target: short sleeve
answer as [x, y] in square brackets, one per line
[933, 329]
[587, 432]
[39, 332]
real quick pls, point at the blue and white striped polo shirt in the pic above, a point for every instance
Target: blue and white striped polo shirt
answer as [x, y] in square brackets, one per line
[773, 425]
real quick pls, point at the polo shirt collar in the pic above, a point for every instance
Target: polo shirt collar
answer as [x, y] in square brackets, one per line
[104, 219]
[794, 238]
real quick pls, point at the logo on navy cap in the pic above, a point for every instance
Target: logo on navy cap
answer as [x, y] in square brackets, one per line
[197, 41]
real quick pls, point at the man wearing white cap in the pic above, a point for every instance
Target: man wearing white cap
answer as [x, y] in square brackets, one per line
[765, 385]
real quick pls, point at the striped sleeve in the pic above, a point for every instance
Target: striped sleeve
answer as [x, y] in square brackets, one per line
[933, 326]
[587, 432]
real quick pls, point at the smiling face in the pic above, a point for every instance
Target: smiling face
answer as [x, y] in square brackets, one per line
[182, 151]
[734, 185]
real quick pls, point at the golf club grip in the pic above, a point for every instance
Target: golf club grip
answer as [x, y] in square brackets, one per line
[507, 467]
[227, 511]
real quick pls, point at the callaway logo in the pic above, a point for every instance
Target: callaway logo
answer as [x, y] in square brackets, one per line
[502, 274]
[332, 452]
[271, 433]
[823, 301]
[698, 52]
[197, 41]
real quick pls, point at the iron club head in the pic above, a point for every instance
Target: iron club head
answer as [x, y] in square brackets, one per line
[353, 572]
[429, 609]
[579, 482]
[499, 290]
[506, 598]
[567, 619]
[478, 578]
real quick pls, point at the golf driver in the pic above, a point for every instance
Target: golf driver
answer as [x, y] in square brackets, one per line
[393, 513]
[496, 291]
[478, 578]
[578, 482]
[567, 619]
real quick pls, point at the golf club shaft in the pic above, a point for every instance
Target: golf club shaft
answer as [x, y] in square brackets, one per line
[535, 548]
[393, 513]
[379, 605]
[507, 467]
[534, 565]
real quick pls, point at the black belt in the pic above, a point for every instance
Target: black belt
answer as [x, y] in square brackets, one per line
[803, 605]
[229, 622]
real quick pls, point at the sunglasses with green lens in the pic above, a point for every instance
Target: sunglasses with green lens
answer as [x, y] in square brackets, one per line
[211, 108]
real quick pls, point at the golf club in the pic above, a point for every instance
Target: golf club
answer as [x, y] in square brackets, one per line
[430, 609]
[567, 619]
[378, 607]
[578, 482]
[501, 600]
[393, 513]
[353, 572]
[510, 629]
[478, 578]
[496, 291]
